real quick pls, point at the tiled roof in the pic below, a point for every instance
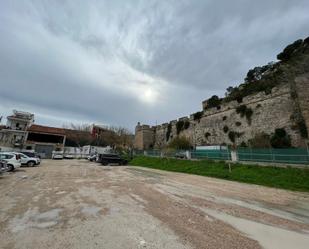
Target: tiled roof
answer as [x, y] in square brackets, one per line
[46, 129]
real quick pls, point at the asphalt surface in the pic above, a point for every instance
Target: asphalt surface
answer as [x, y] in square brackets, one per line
[78, 204]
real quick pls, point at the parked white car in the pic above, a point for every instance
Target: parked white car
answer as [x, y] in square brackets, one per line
[29, 161]
[57, 155]
[68, 156]
[13, 161]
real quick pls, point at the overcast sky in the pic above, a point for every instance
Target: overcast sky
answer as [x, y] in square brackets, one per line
[120, 62]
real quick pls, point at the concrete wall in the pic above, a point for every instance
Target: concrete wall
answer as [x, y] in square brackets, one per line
[11, 138]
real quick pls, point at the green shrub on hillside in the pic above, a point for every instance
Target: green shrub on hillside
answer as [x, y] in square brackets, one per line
[207, 135]
[180, 143]
[197, 115]
[168, 132]
[225, 129]
[179, 126]
[214, 101]
[287, 53]
[280, 139]
[232, 136]
[303, 128]
[186, 125]
[292, 60]
[245, 111]
[182, 125]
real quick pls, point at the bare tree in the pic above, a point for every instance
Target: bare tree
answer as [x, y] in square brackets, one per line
[114, 136]
[78, 134]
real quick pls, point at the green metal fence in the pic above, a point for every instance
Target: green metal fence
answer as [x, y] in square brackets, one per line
[291, 156]
[138, 152]
[156, 153]
[211, 154]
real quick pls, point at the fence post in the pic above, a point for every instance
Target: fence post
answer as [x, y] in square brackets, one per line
[188, 154]
[272, 155]
[145, 152]
[234, 156]
[307, 146]
[161, 154]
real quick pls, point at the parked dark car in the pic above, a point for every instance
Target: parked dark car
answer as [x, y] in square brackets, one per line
[31, 154]
[110, 158]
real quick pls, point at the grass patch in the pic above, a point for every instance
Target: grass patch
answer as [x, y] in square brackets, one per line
[285, 178]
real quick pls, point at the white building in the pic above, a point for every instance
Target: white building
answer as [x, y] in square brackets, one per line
[14, 134]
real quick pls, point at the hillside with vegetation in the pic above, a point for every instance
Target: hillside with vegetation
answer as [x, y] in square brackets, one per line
[292, 61]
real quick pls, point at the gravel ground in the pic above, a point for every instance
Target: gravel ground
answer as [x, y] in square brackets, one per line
[78, 204]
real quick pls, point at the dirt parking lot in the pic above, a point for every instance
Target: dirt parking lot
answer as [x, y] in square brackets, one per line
[78, 204]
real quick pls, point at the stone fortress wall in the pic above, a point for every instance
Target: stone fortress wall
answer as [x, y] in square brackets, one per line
[270, 111]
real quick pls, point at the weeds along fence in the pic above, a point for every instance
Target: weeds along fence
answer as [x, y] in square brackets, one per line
[290, 156]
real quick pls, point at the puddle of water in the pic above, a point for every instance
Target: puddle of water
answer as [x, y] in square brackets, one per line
[60, 192]
[49, 215]
[46, 224]
[91, 210]
[21, 223]
[33, 219]
[269, 237]
[114, 211]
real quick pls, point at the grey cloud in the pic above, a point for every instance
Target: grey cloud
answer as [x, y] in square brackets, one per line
[103, 61]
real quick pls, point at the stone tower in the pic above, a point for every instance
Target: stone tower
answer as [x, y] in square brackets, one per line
[144, 137]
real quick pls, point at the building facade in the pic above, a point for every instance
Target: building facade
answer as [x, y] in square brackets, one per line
[44, 140]
[14, 133]
[20, 133]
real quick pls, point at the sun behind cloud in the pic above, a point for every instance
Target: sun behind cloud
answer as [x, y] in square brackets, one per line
[149, 95]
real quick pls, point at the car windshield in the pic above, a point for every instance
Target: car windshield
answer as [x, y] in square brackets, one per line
[6, 156]
[29, 154]
[110, 155]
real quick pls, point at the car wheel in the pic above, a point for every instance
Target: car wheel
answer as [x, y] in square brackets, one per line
[10, 167]
[30, 164]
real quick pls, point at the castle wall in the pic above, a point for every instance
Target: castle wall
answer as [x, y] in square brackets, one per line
[270, 112]
[302, 89]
